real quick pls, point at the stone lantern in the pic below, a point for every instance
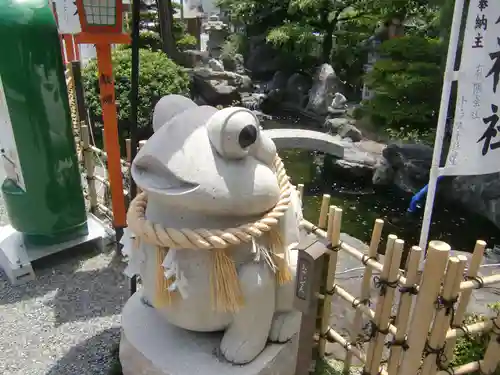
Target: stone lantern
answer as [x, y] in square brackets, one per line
[217, 33]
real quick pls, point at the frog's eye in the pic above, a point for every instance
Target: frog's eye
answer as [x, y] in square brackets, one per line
[232, 131]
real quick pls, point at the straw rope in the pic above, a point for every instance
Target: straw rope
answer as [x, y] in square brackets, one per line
[184, 238]
[226, 293]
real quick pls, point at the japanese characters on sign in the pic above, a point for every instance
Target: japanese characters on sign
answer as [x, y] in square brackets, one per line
[475, 144]
[302, 280]
[106, 84]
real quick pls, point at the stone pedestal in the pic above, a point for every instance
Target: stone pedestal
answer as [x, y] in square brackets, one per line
[150, 346]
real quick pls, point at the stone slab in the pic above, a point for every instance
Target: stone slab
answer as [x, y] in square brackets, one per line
[151, 346]
[16, 256]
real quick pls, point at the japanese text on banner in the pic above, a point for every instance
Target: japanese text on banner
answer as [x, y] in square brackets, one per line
[475, 144]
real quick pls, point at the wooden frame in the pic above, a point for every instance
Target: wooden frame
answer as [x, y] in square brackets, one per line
[101, 29]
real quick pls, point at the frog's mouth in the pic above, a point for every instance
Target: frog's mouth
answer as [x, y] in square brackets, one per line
[151, 175]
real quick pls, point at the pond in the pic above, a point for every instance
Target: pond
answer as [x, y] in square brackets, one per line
[362, 203]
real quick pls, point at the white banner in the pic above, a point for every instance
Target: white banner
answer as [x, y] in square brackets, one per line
[475, 143]
[67, 17]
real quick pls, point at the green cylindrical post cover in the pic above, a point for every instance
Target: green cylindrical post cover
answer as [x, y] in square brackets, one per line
[42, 191]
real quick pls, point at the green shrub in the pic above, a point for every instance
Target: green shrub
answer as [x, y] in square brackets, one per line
[406, 84]
[150, 39]
[147, 39]
[470, 349]
[235, 43]
[185, 42]
[158, 76]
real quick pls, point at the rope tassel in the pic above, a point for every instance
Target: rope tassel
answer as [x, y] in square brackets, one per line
[163, 296]
[280, 258]
[225, 285]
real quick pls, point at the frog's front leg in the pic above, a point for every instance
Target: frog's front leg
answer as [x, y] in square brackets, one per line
[247, 335]
[286, 320]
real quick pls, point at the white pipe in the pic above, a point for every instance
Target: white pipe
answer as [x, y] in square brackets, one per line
[449, 77]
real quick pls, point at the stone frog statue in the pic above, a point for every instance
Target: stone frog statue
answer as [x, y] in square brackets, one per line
[215, 169]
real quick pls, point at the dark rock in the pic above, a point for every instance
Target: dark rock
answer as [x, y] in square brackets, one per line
[234, 63]
[405, 165]
[216, 65]
[480, 194]
[214, 92]
[352, 132]
[264, 60]
[326, 84]
[343, 127]
[252, 101]
[242, 82]
[194, 58]
[297, 89]
[359, 160]
[278, 82]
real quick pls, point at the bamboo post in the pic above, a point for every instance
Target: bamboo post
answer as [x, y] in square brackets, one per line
[300, 189]
[365, 290]
[323, 213]
[404, 309]
[331, 213]
[103, 139]
[88, 161]
[445, 306]
[491, 359]
[423, 313]
[388, 277]
[475, 263]
[128, 148]
[330, 277]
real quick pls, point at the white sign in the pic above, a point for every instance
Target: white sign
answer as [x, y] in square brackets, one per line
[475, 143]
[87, 52]
[8, 148]
[67, 17]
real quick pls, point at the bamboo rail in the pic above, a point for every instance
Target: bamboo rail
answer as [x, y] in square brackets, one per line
[419, 334]
[478, 283]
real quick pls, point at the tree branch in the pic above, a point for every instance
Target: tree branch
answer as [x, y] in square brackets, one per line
[359, 15]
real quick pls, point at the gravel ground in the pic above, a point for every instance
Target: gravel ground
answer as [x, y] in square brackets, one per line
[67, 321]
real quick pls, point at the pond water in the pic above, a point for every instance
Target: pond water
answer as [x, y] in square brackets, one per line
[362, 203]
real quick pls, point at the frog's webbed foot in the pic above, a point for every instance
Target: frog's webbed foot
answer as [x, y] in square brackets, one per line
[284, 326]
[247, 335]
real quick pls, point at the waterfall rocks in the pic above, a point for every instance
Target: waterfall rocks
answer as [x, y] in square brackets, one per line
[325, 85]
[219, 87]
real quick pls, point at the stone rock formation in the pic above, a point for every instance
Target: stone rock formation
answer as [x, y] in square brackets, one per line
[325, 85]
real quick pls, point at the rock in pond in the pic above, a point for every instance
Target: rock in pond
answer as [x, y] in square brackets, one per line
[404, 165]
[344, 127]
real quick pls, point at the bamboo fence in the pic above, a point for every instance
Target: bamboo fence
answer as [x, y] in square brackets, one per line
[430, 313]
[96, 187]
